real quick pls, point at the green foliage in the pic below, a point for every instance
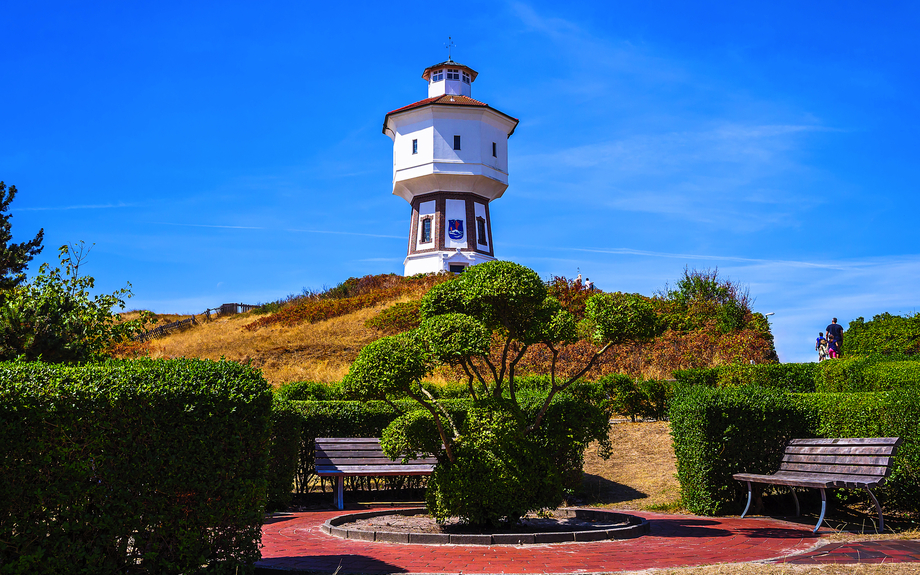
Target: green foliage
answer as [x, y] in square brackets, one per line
[348, 419]
[452, 337]
[798, 377]
[887, 414]
[56, 319]
[412, 435]
[391, 367]
[504, 447]
[501, 472]
[707, 376]
[310, 391]
[720, 432]
[397, 318]
[14, 257]
[884, 334]
[618, 317]
[132, 466]
[284, 451]
[637, 398]
[872, 373]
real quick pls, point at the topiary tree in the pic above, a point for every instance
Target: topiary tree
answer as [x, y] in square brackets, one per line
[511, 453]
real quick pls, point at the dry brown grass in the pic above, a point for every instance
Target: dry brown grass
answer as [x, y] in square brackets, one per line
[641, 472]
[322, 351]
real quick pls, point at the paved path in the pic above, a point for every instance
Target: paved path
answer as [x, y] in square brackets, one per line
[890, 551]
[295, 542]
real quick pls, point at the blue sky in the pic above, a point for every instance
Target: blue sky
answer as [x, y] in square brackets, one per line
[232, 151]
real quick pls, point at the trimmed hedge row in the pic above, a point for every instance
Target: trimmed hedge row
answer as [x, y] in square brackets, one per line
[722, 431]
[132, 466]
[369, 419]
[798, 377]
[871, 373]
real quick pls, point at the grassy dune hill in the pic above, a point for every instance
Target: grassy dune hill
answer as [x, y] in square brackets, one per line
[316, 336]
[319, 351]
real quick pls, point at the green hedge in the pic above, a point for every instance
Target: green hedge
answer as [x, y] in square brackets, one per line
[871, 373]
[132, 466]
[719, 432]
[884, 334]
[368, 419]
[798, 377]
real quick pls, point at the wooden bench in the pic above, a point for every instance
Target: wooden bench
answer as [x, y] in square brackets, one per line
[342, 457]
[854, 463]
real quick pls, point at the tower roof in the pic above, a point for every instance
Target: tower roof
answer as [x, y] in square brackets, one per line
[449, 100]
[449, 64]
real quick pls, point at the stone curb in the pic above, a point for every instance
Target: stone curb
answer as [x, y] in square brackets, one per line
[636, 527]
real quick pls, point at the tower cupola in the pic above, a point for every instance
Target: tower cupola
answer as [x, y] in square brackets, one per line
[449, 78]
[450, 160]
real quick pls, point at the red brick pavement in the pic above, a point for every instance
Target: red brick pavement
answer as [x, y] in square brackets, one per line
[295, 542]
[879, 551]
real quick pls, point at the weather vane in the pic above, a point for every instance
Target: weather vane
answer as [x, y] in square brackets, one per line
[450, 44]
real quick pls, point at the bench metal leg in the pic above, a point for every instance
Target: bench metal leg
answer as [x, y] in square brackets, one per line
[798, 510]
[881, 520]
[823, 509]
[748, 506]
[340, 492]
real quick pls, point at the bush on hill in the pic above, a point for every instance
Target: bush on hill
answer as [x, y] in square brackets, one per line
[884, 334]
[349, 296]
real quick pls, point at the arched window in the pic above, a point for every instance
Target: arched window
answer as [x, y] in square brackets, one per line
[481, 237]
[426, 230]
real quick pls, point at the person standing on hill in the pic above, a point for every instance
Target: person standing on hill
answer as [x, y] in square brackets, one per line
[836, 332]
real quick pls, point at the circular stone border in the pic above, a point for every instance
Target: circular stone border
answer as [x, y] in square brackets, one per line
[635, 527]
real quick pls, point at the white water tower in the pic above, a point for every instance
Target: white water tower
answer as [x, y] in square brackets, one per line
[450, 159]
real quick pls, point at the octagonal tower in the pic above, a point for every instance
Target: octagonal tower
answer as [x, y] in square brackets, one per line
[450, 160]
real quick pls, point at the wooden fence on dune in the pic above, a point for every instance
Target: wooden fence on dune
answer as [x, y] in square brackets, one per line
[184, 324]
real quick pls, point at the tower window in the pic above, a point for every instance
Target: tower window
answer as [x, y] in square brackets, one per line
[415, 146]
[426, 230]
[481, 232]
[466, 78]
[437, 75]
[453, 74]
[456, 142]
[494, 150]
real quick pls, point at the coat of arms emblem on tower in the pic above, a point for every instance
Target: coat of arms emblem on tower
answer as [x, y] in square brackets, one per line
[455, 229]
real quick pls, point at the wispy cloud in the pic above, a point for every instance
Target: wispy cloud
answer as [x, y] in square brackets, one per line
[348, 234]
[75, 207]
[289, 230]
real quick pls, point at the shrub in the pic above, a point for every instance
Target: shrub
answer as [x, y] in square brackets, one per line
[699, 376]
[132, 466]
[891, 375]
[310, 391]
[720, 432]
[287, 429]
[507, 303]
[884, 334]
[397, 318]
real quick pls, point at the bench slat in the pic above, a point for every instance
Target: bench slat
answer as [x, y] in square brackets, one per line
[875, 471]
[813, 480]
[880, 450]
[847, 441]
[373, 461]
[375, 470]
[844, 459]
